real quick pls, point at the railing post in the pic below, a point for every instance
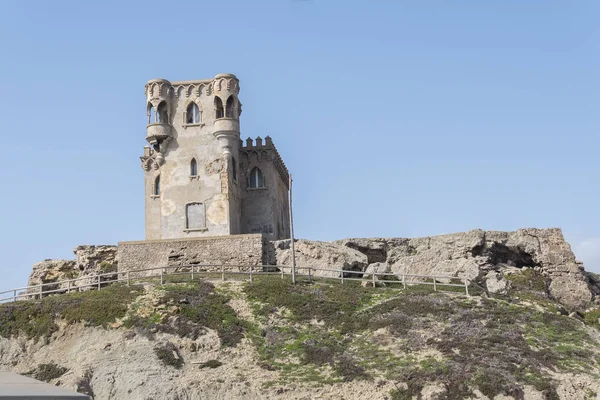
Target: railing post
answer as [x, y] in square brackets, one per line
[192, 272]
[15, 295]
[41, 291]
[162, 276]
[373, 276]
[222, 272]
[98, 276]
[128, 279]
[342, 277]
[467, 286]
[309, 274]
[403, 281]
[251, 269]
[69, 286]
[434, 285]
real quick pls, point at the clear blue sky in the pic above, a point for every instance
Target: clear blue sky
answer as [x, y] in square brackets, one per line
[396, 118]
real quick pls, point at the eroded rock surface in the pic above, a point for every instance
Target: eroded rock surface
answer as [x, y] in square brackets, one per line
[482, 256]
[89, 261]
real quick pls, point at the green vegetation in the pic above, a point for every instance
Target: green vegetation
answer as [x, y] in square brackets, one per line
[527, 279]
[324, 333]
[36, 318]
[592, 317]
[47, 372]
[106, 267]
[202, 306]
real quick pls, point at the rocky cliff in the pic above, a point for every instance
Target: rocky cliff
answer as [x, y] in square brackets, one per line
[269, 339]
[485, 257]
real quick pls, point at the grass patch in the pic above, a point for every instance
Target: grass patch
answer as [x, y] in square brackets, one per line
[201, 305]
[36, 318]
[494, 345]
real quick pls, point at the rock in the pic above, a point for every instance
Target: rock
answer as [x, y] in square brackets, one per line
[377, 268]
[496, 283]
[90, 260]
[324, 255]
[49, 272]
[475, 255]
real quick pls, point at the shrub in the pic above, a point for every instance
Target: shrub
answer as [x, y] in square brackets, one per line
[169, 354]
[211, 364]
[47, 372]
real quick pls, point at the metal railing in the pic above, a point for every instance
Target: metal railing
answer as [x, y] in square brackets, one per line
[221, 271]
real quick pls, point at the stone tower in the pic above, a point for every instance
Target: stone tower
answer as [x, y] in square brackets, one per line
[200, 178]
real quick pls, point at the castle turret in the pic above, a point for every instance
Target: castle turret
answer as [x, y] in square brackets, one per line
[227, 112]
[159, 94]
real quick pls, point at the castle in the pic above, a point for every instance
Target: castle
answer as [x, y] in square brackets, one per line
[201, 179]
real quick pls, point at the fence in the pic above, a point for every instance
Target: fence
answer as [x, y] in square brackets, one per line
[221, 271]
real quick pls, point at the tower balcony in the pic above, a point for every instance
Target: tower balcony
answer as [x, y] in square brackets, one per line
[157, 132]
[227, 125]
[227, 132]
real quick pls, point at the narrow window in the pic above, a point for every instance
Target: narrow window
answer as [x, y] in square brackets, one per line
[162, 115]
[193, 114]
[151, 114]
[194, 167]
[230, 107]
[218, 107]
[195, 216]
[157, 186]
[256, 178]
[234, 168]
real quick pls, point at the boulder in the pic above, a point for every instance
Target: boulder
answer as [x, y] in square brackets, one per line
[322, 255]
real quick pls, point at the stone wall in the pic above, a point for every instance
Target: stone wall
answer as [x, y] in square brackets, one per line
[235, 249]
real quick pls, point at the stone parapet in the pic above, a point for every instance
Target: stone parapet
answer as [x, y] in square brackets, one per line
[233, 249]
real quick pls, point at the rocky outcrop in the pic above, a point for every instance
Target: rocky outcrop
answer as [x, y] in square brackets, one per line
[322, 255]
[486, 257]
[89, 262]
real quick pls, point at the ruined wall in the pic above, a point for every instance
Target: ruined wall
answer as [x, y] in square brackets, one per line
[234, 249]
[486, 257]
[89, 261]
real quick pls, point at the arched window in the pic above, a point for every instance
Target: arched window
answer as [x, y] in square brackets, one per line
[234, 168]
[163, 116]
[230, 107]
[151, 114]
[157, 186]
[195, 216]
[192, 114]
[256, 179]
[193, 167]
[218, 107]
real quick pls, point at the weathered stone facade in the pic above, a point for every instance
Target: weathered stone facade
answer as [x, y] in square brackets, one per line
[243, 250]
[200, 179]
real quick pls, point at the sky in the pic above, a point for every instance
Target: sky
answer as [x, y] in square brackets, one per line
[396, 118]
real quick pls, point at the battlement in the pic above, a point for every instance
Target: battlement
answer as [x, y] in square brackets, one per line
[259, 146]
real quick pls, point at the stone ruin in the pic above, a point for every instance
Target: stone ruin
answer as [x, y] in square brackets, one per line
[483, 257]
